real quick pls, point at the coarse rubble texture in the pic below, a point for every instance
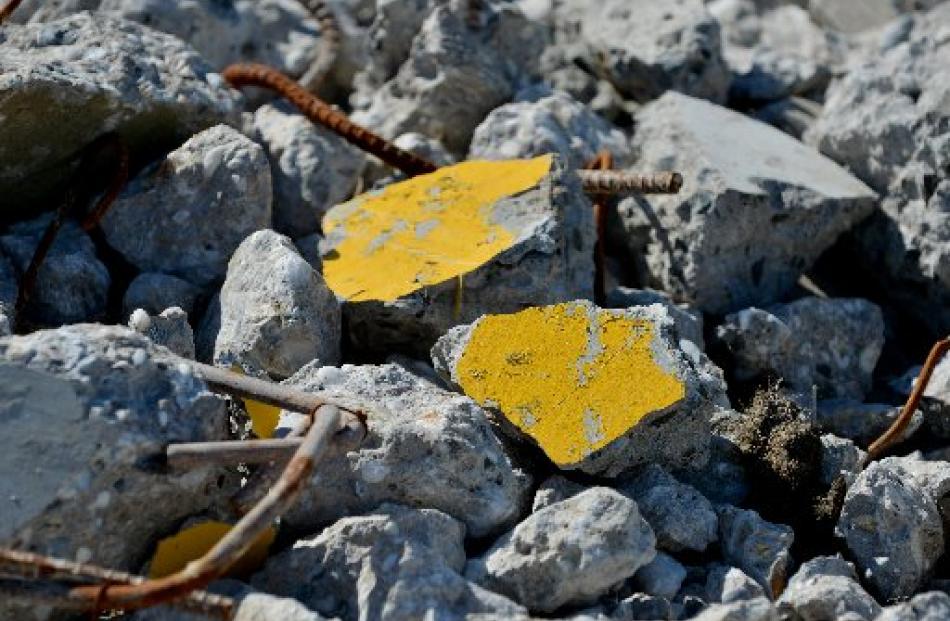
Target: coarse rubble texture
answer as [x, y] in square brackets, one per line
[549, 259]
[830, 346]
[827, 588]
[887, 122]
[72, 284]
[757, 208]
[170, 329]
[759, 548]
[568, 552]
[114, 401]
[277, 313]
[673, 426]
[413, 427]
[185, 215]
[65, 82]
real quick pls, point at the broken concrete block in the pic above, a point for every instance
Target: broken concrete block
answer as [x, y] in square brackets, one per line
[87, 411]
[570, 552]
[563, 376]
[277, 313]
[757, 547]
[413, 427]
[169, 329]
[826, 587]
[66, 82]
[689, 322]
[186, 214]
[418, 257]
[393, 563]
[757, 207]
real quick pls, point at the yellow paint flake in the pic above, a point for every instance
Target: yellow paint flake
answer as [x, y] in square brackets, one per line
[571, 377]
[425, 230]
[264, 417]
[175, 552]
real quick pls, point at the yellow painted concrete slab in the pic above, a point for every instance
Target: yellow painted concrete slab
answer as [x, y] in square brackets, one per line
[571, 376]
[424, 231]
[175, 552]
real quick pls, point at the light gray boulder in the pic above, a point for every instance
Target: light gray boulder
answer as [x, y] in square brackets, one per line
[413, 427]
[66, 82]
[932, 476]
[277, 313]
[312, 167]
[674, 436]
[759, 609]
[853, 17]
[892, 528]
[680, 516]
[186, 214]
[756, 210]
[570, 552]
[393, 563]
[757, 547]
[689, 322]
[153, 293]
[726, 584]
[169, 329]
[861, 422]
[72, 284]
[886, 121]
[826, 587]
[932, 606]
[551, 123]
[644, 48]
[828, 344]
[661, 577]
[455, 74]
[87, 412]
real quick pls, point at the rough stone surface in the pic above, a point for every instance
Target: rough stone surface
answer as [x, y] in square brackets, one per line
[840, 457]
[567, 553]
[850, 17]
[538, 250]
[861, 422]
[828, 344]
[680, 516]
[154, 292]
[887, 122]
[312, 168]
[553, 123]
[554, 489]
[689, 322]
[726, 584]
[169, 329]
[251, 606]
[641, 606]
[72, 285]
[455, 74]
[70, 80]
[644, 48]
[394, 563]
[756, 210]
[826, 587]
[932, 606]
[115, 404]
[601, 432]
[757, 547]
[758, 609]
[277, 313]
[893, 530]
[186, 214]
[724, 478]
[661, 577]
[413, 427]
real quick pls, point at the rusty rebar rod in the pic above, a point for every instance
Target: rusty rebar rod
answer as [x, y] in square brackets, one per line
[7, 9]
[318, 111]
[329, 48]
[236, 542]
[622, 182]
[895, 433]
[603, 161]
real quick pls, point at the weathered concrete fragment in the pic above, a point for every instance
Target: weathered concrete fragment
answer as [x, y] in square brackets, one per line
[396, 259]
[186, 214]
[170, 329]
[756, 210]
[827, 587]
[65, 82]
[757, 547]
[601, 391]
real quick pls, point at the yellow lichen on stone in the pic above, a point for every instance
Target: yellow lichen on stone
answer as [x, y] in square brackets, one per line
[425, 230]
[175, 552]
[572, 380]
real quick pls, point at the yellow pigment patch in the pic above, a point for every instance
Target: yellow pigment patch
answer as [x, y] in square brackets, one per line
[425, 230]
[264, 418]
[572, 378]
[175, 552]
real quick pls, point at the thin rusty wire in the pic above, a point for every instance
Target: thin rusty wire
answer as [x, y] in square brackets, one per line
[602, 161]
[622, 182]
[7, 10]
[329, 49]
[895, 433]
[235, 543]
[318, 111]
[120, 177]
